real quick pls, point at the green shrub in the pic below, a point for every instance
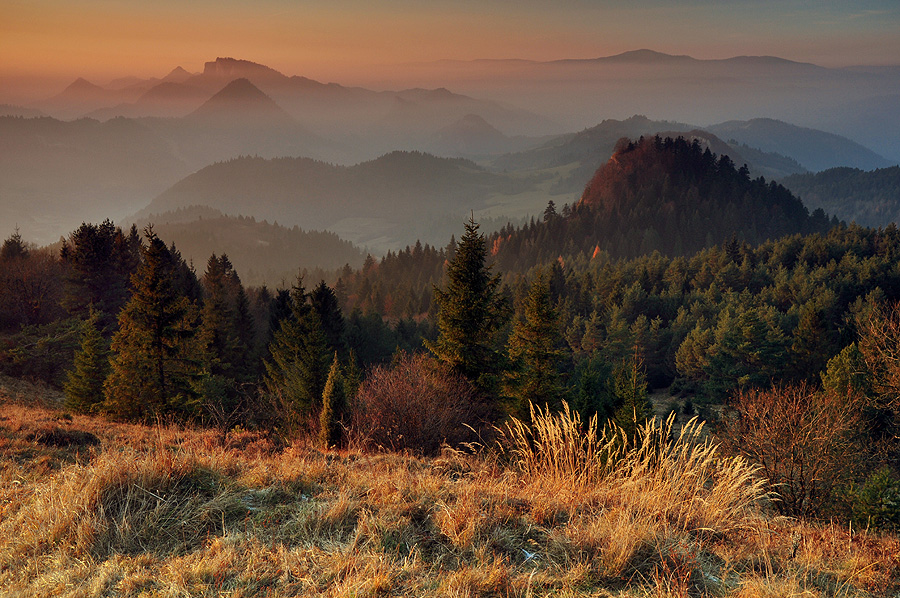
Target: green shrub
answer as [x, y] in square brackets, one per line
[876, 504]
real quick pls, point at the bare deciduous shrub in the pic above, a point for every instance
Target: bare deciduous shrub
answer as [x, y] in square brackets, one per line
[803, 439]
[880, 345]
[417, 404]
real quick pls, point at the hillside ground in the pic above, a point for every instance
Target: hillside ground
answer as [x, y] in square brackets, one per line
[94, 508]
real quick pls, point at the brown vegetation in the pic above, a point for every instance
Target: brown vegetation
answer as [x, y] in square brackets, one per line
[161, 510]
[417, 404]
[805, 441]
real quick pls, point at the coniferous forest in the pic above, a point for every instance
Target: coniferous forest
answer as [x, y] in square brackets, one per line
[677, 286]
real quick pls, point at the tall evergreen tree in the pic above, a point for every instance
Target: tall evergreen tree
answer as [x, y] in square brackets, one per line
[630, 392]
[471, 311]
[154, 359]
[535, 353]
[100, 260]
[325, 302]
[84, 384]
[225, 338]
[14, 247]
[297, 367]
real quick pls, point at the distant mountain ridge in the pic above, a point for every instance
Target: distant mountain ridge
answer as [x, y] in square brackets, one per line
[374, 121]
[241, 96]
[583, 152]
[815, 150]
[383, 203]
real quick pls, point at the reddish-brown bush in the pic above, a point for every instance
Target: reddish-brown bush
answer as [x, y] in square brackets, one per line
[804, 439]
[418, 404]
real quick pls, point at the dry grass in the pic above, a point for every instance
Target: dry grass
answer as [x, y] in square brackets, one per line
[163, 511]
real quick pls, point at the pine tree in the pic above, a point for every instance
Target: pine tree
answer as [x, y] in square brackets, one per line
[534, 350]
[84, 384]
[812, 345]
[154, 359]
[334, 406]
[470, 313]
[297, 367]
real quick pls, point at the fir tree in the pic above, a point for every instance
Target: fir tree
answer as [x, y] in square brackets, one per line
[154, 359]
[297, 367]
[334, 407]
[534, 350]
[470, 313]
[84, 384]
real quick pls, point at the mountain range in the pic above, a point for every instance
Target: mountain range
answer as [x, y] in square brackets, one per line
[856, 102]
[146, 135]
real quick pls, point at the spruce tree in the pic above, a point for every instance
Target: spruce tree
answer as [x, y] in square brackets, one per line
[100, 260]
[325, 302]
[297, 367]
[84, 384]
[225, 338]
[471, 311]
[334, 406]
[154, 359]
[630, 392]
[535, 354]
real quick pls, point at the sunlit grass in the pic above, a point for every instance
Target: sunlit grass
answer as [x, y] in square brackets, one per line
[165, 511]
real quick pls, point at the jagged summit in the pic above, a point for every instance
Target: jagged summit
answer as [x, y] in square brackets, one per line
[233, 68]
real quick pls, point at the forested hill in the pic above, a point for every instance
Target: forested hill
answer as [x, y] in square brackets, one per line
[263, 253]
[667, 195]
[869, 198]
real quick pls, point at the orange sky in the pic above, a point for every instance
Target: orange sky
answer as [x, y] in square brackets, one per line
[340, 40]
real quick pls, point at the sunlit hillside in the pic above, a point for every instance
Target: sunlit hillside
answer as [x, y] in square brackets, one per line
[92, 508]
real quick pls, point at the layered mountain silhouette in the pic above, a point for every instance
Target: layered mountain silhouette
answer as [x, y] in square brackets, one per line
[815, 150]
[577, 92]
[373, 121]
[578, 155]
[383, 203]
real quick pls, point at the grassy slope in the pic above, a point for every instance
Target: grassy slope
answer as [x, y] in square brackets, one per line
[92, 508]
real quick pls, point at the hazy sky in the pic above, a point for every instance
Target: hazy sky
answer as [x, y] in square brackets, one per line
[333, 39]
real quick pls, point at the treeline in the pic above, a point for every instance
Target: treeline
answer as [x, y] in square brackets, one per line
[120, 299]
[263, 253]
[129, 330]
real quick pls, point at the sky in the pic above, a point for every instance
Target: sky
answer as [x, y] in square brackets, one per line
[341, 40]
